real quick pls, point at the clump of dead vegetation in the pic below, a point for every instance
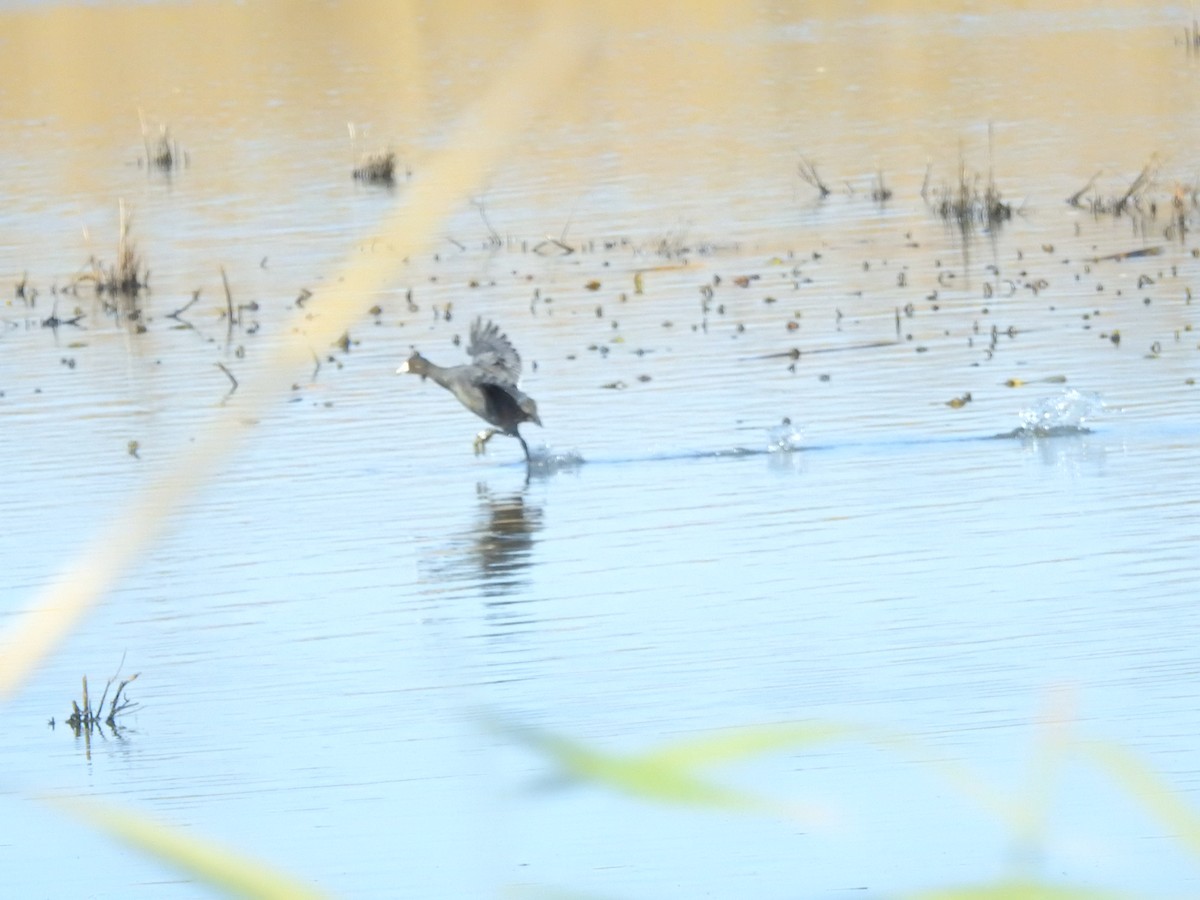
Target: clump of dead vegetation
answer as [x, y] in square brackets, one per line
[1143, 200]
[1133, 199]
[1191, 38]
[85, 718]
[377, 168]
[162, 151]
[807, 170]
[972, 201]
[128, 275]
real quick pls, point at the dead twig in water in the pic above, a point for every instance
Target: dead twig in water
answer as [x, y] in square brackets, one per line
[1073, 200]
[796, 353]
[1135, 188]
[808, 171]
[1129, 254]
[178, 314]
[228, 303]
[881, 193]
[542, 248]
[229, 375]
[494, 238]
[85, 718]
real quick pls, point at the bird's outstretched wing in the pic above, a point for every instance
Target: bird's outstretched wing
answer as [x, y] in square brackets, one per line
[491, 351]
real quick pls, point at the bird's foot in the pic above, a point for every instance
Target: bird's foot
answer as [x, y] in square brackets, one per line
[481, 440]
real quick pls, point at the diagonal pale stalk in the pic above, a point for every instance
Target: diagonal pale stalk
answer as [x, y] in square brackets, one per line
[539, 71]
[1019, 890]
[1148, 788]
[218, 866]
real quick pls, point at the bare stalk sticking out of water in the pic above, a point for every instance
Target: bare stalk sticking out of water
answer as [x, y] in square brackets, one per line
[228, 297]
[494, 239]
[808, 171]
[1073, 200]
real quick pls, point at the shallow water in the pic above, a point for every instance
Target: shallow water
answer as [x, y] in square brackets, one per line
[324, 631]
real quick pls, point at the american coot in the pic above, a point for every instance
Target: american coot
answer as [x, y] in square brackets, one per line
[487, 386]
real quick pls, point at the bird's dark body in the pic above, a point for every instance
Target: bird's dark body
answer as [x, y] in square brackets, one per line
[487, 386]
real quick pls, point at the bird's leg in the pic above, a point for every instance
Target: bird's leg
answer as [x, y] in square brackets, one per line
[525, 447]
[481, 440]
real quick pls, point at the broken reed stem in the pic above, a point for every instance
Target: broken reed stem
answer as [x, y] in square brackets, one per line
[1073, 200]
[117, 706]
[808, 171]
[229, 374]
[494, 238]
[179, 312]
[1142, 178]
[228, 301]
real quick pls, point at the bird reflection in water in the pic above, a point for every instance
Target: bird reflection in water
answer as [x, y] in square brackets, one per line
[502, 541]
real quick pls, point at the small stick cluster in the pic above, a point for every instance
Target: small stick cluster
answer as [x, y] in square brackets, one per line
[84, 718]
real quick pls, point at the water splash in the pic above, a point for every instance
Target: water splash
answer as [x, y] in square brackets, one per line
[1064, 413]
[546, 459]
[784, 438]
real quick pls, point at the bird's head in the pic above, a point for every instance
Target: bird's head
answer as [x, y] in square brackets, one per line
[414, 365]
[530, 409]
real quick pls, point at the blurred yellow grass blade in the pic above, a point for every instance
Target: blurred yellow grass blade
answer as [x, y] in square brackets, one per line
[217, 866]
[1019, 890]
[742, 743]
[1149, 788]
[539, 71]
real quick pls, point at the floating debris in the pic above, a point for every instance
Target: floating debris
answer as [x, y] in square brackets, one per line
[1051, 379]
[1129, 254]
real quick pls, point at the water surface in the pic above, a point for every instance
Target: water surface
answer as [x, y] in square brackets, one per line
[323, 630]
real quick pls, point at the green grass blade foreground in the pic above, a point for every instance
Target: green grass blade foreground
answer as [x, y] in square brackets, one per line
[666, 774]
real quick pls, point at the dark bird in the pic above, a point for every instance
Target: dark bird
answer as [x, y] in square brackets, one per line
[487, 386]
